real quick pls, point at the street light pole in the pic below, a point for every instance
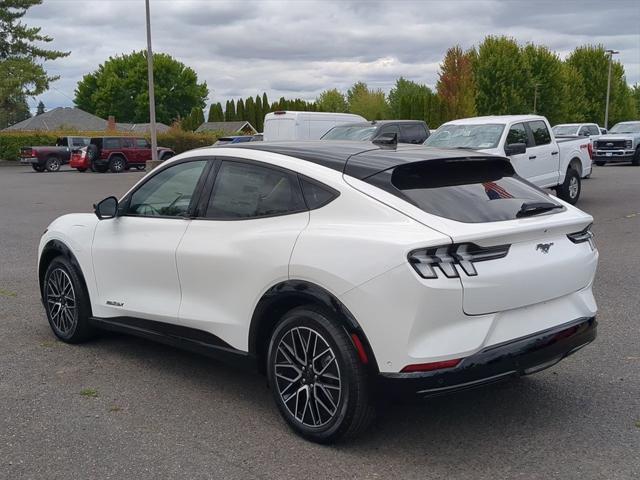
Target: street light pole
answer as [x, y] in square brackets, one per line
[152, 100]
[606, 107]
[535, 98]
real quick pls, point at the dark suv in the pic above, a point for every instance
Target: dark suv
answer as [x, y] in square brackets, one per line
[121, 153]
[407, 131]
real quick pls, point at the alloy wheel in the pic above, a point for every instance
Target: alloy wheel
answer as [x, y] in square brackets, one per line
[573, 187]
[61, 302]
[307, 377]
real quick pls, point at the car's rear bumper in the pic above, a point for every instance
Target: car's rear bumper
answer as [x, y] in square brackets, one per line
[29, 160]
[517, 357]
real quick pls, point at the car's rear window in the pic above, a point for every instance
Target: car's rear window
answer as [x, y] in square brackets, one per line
[471, 191]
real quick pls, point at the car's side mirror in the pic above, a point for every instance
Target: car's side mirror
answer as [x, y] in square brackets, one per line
[515, 149]
[107, 208]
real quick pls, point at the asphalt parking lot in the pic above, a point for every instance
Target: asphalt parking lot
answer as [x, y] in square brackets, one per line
[121, 407]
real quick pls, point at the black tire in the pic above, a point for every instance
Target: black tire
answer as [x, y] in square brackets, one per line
[37, 167]
[140, 167]
[117, 164]
[100, 168]
[570, 190]
[636, 158]
[81, 169]
[166, 156]
[601, 164]
[52, 164]
[343, 408]
[68, 319]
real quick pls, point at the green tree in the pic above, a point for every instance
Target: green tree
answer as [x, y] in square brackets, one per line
[250, 111]
[119, 87]
[21, 56]
[635, 93]
[572, 95]
[265, 104]
[401, 97]
[193, 120]
[230, 112]
[545, 71]
[215, 113]
[502, 78]
[371, 104]
[592, 64]
[259, 114]
[40, 109]
[240, 113]
[456, 85]
[332, 101]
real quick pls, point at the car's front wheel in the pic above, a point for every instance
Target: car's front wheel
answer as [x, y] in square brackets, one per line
[117, 164]
[317, 378]
[66, 302]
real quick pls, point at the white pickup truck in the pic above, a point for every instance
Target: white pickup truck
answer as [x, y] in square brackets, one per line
[527, 140]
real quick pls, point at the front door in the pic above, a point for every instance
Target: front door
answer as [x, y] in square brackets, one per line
[543, 155]
[134, 254]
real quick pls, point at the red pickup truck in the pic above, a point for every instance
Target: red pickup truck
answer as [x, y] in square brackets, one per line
[116, 154]
[51, 158]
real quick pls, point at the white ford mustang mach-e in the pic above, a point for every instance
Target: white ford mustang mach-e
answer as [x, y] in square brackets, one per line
[341, 270]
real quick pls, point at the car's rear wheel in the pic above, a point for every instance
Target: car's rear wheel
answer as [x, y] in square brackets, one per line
[117, 164]
[569, 191]
[37, 167]
[318, 381]
[52, 164]
[81, 169]
[66, 302]
[140, 167]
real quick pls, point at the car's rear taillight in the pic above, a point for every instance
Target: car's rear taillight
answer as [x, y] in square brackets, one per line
[447, 257]
[590, 149]
[582, 236]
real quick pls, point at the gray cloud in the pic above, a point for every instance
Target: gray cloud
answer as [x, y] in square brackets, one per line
[299, 48]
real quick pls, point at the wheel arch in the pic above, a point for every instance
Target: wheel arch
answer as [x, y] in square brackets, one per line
[290, 294]
[576, 164]
[118, 154]
[53, 249]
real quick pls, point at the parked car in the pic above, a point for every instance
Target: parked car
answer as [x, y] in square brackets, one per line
[342, 270]
[621, 144]
[289, 125]
[116, 154]
[406, 131]
[590, 130]
[257, 137]
[530, 145]
[51, 158]
[234, 139]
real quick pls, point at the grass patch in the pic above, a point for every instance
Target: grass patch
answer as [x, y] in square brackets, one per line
[7, 293]
[89, 392]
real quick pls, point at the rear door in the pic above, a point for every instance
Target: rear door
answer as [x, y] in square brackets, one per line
[543, 155]
[129, 150]
[143, 150]
[238, 247]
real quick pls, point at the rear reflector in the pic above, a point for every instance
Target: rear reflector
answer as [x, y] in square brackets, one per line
[429, 367]
[362, 354]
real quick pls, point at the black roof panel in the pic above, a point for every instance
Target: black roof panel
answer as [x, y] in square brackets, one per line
[357, 159]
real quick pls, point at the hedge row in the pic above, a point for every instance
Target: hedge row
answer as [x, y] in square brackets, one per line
[175, 139]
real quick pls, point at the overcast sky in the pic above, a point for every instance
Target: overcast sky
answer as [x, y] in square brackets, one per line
[299, 48]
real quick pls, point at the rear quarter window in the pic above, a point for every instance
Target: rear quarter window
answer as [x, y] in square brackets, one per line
[110, 143]
[470, 191]
[540, 132]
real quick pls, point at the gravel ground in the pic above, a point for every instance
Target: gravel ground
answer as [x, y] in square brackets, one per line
[122, 407]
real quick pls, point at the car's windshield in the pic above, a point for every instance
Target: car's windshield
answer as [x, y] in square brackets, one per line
[350, 132]
[466, 136]
[625, 128]
[565, 130]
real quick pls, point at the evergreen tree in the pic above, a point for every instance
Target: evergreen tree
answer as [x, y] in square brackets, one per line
[259, 114]
[250, 111]
[240, 113]
[40, 109]
[230, 112]
[265, 103]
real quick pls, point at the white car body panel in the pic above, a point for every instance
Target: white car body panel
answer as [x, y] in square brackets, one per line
[292, 125]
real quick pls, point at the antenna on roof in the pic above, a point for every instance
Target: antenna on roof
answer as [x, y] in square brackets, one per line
[386, 140]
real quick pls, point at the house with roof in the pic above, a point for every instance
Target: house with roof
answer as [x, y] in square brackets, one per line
[72, 118]
[227, 127]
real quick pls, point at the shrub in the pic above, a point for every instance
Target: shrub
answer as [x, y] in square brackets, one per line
[177, 140]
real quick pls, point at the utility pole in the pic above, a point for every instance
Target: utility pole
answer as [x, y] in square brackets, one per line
[152, 100]
[606, 107]
[535, 98]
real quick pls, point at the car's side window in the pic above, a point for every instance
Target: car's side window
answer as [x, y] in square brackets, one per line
[412, 133]
[168, 193]
[518, 134]
[127, 143]
[111, 143]
[316, 195]
[540, 132]
[389, 129]
[593, 130]
[246, 190]
[583, 131]
[142, 143]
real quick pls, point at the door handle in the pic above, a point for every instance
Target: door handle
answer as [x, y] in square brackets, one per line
[532, 157]
[554, 153]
